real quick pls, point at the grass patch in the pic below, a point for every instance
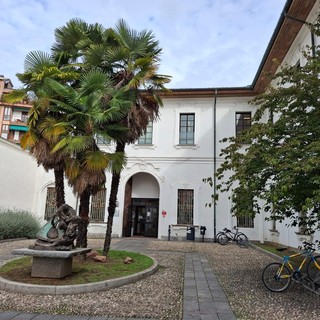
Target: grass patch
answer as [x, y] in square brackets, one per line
[83, 271]
[271, 247]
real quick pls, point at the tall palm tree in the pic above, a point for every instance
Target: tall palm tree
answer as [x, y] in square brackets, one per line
[38, 67]
[131, 59]
[87, 110]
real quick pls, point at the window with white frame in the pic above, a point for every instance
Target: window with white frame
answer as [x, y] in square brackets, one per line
[185, 206]
[186, 128]
[243, 122]
[146, 138]
[7, 113]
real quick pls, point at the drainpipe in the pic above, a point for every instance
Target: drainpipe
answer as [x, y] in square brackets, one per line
[312, 33]
[215, 165]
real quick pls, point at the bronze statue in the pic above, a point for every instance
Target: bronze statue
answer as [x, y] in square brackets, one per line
[60, 231]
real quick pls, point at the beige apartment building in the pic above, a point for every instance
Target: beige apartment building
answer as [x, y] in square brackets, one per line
[13, 116]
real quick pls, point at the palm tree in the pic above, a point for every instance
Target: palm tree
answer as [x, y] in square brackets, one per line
[87, 111]
[38, 67]
[131, 59]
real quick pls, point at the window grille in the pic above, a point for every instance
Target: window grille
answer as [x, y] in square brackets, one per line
[186, 129]
[243, 122]
[98, 206]
[50, 203]
[146, 138]
[185, 206]
[245, 222]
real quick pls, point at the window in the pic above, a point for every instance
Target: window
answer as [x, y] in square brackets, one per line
[102, 140]
[186, 132]
[242, 207]
[24, 116]
[98, 206]
[7, 114]
[5, 128]
[245, 222]
[243, 122]
[146, 138]
[50, 203]
[185, 206]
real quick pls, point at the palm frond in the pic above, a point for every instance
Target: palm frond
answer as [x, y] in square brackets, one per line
[72, 169]
[95, 160]
[37, 60]
[117, 161]
[15, 96]
[29, 139]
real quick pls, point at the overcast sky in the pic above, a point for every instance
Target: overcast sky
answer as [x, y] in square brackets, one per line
[206, 43]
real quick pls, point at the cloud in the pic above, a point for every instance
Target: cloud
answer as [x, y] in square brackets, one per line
[205, 42]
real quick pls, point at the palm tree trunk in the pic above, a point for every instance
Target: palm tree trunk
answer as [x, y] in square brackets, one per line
[82, 241]
[112, 202]
[59, 186]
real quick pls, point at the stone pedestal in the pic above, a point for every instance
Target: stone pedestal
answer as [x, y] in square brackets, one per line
[51, 264]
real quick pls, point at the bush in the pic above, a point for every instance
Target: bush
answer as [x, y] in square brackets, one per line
[18, 224]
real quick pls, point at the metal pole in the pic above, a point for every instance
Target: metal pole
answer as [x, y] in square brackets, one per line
[215, 165]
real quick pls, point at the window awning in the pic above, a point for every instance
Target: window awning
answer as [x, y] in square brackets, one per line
[18, 128]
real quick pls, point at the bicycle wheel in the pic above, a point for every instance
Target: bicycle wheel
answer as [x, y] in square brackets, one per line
[276, 277]
[222, 239]
[219, 234]
[241, 240]
[313, 271]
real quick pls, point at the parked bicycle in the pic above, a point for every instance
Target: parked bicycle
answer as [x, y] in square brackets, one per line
[277, 276]
[225, 236]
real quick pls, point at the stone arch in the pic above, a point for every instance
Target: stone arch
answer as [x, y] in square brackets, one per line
[141, 206]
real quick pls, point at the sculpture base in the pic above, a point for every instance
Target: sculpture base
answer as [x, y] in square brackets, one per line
[51, 263]
[55, 268]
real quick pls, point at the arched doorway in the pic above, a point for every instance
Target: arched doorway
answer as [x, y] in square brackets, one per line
[141, 207]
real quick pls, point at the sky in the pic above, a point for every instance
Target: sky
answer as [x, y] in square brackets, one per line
[205, 43]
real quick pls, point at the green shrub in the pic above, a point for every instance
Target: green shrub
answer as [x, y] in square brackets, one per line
[18, 224]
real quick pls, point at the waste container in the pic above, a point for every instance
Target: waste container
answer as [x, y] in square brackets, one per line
[190, 233]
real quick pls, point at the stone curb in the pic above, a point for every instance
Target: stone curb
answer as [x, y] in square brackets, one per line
[271, 254]
[25, 288]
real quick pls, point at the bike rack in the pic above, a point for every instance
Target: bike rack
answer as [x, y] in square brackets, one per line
[308, 284]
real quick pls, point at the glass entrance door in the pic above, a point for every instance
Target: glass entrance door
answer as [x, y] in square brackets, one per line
[145, 214]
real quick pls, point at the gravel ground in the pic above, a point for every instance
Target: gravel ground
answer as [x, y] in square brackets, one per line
[160, 296]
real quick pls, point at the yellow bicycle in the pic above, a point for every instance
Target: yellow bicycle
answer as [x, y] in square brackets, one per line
[277, 276]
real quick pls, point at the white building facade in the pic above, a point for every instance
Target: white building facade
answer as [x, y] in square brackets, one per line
[161, 191]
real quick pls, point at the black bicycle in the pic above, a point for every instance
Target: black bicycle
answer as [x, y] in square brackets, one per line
[225, 236]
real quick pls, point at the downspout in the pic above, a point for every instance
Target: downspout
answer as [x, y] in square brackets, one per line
[215, 165]
[312, 33]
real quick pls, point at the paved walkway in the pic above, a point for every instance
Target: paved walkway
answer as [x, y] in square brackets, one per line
[203, 297]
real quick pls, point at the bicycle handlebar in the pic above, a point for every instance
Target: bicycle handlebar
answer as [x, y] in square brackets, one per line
[308, 246]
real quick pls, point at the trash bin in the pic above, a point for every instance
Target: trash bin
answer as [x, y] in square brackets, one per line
[190, 233]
